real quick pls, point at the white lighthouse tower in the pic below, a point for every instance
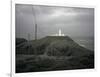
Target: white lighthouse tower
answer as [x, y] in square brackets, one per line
[60, 34]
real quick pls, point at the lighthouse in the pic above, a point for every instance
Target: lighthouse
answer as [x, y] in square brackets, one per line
[59, 33]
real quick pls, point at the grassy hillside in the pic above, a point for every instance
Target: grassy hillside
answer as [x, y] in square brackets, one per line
[52, 53]
[52, 45]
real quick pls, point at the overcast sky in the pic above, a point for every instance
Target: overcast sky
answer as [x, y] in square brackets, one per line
[72, 21]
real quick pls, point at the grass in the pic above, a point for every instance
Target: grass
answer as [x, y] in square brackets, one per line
[52, 53]
[31, 63]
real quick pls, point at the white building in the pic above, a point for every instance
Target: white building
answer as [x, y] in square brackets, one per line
[59, 33]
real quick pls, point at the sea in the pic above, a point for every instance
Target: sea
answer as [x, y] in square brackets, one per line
[86, 42]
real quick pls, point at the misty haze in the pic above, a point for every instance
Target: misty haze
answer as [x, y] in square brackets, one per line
[52, 38]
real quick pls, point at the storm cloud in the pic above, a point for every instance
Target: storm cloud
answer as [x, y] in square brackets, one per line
[72, 21]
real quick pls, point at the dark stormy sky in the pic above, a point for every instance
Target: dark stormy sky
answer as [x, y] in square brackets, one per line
[72, 21]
